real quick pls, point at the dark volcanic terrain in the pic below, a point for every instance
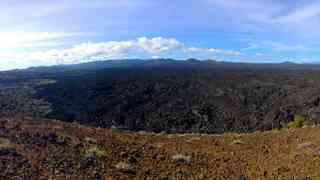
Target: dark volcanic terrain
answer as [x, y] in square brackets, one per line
[166, 95]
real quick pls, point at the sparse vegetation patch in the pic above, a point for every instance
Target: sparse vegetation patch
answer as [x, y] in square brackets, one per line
[298, 122]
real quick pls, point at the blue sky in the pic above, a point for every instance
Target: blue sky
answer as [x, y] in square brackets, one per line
[37, 32]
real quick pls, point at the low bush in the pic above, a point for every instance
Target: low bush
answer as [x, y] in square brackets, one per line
[90, 140]
[5, 143]
[298, 122]
[237, 142]
[95, 152]
[124, 166]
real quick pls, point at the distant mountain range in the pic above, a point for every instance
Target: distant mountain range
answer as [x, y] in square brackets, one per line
[192, 63]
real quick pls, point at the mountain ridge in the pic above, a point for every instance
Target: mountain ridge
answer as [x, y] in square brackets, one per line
[130, 63]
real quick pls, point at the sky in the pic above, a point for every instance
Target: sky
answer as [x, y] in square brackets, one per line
[44, 33]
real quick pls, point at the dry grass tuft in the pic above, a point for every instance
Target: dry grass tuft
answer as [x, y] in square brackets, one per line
[123, 166]
[237, 142]
[5, 143]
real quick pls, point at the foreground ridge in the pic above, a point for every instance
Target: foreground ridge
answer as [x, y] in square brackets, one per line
[42, 149]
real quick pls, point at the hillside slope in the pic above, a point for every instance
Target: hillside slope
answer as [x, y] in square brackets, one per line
[37, 149]
[166, 95]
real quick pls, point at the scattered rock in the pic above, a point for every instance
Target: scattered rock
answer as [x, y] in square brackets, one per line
[125, 167]
[180, 158]
[305, 145]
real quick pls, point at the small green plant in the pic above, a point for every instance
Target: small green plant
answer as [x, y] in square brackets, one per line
[123, 166]
[90, 140]
[5, 143]
[299, 121]
[237, 142]
[63, 139]
[96, 152]
[114, 129]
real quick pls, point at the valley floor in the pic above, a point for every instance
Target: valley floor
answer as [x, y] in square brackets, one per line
[44, 149]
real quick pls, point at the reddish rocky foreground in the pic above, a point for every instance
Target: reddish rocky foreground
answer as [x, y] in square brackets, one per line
[44, 149]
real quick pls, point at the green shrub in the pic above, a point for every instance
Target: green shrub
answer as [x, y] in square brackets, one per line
[237, 142]
[96, 152]
[299, 121]
[63, 139]
[123, 166]
[90, 140]
[23, 101]
[4, 143]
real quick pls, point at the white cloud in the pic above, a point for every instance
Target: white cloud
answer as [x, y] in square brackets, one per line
[24, 39]
[250, 10]
[156, 45]
[202, 50]
[151, 47]
[272, 15]
[302, 14]
[37, 8]
[252, 46]
[303, 60]
[276, 46]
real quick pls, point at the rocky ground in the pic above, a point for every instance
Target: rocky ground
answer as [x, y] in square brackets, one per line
[47, 149]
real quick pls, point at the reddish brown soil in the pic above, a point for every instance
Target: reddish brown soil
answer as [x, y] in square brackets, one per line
[39, 149]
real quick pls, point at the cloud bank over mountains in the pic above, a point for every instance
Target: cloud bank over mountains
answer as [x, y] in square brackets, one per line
[38, 32]
[85, 52]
